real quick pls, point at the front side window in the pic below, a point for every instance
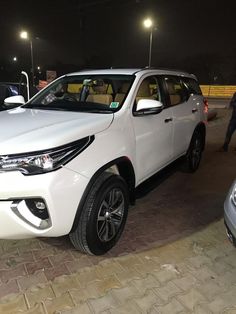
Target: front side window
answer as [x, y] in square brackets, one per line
[88, 93]
[149, 89]
[175, 90]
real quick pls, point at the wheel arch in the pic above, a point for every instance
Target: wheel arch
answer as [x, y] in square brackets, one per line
[124, 169]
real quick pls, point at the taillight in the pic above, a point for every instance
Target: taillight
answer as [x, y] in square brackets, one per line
[205, 105]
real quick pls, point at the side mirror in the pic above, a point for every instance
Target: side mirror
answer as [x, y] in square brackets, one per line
[147, 107]
[14, 101]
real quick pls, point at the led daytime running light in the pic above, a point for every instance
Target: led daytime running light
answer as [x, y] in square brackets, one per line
[41, 162]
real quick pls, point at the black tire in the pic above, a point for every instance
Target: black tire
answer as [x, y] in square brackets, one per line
[194, 153]
[230, 236]
[103, 216]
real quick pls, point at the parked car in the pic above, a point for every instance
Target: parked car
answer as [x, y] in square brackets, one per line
[71, 158]
[21, 88]
[6, 90]
[230, 213]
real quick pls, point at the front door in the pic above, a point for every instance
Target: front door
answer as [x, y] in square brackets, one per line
[153, 133]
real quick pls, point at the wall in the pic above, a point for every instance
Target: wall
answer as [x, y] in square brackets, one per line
[226, 91]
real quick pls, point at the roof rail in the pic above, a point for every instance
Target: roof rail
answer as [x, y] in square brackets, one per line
[164, 69]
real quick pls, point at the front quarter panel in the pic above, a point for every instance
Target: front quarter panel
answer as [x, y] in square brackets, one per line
[115, 142]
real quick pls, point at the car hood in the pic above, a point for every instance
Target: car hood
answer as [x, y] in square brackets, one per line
[26, 130]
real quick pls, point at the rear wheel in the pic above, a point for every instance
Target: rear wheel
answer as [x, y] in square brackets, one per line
[103, 216]
[194, 154]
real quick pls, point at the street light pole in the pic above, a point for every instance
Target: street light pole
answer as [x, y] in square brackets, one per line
[32, 61]
[150, 49]
[25, 35]
[148, 23]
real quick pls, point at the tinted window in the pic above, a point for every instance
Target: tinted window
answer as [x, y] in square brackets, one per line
[192, 86]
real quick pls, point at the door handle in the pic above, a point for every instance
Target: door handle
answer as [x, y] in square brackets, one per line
[168, 120]
[194, 110]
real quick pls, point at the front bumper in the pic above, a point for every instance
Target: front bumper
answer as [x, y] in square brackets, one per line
[61, 190]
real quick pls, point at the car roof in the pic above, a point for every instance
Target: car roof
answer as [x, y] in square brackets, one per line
[132, 71]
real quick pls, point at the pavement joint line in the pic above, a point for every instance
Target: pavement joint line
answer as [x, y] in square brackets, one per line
[44, 307]
[26, 301]
[72, 297]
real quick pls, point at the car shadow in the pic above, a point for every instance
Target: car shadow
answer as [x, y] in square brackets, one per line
[172, 204]
[157, 179]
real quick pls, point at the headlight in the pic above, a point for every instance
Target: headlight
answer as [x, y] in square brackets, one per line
[43, 161]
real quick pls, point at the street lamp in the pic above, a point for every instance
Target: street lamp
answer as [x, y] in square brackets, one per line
[14, 59]
[148, 23]
[39, 69]
[24, 35]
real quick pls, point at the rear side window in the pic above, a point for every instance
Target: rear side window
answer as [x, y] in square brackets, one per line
[192, 86]
[175, 90]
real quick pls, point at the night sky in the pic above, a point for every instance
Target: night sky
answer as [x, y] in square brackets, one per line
[197, 36]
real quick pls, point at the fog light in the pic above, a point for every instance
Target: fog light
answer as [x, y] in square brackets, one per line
[38, 207]
[33, 211]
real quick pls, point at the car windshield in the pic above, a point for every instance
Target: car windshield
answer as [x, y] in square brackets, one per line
[88, 93]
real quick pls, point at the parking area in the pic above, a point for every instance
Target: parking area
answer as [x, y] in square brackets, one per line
[173, 257]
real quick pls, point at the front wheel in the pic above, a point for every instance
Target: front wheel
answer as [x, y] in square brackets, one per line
[194, 154]
[103, 216]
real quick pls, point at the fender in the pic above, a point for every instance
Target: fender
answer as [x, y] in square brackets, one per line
[126, 171]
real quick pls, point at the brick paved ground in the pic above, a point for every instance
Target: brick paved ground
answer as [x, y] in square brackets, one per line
[173, 257]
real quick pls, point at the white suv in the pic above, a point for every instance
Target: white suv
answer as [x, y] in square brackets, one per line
[71, 158]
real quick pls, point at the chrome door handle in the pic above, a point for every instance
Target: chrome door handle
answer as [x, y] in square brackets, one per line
[168, 120]
[194, 110]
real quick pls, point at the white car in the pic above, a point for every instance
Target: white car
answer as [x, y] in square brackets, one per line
[230, 213]
[72, 156]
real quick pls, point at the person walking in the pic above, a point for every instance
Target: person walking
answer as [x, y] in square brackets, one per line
[231, 126]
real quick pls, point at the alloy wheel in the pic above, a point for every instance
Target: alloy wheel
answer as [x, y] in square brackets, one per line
[110, 215]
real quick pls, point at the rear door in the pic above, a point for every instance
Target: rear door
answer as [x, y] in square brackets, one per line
[195, 97]
[185, 113]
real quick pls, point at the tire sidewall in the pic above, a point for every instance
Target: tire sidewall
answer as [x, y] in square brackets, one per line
[96, 246]
[191, 166]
